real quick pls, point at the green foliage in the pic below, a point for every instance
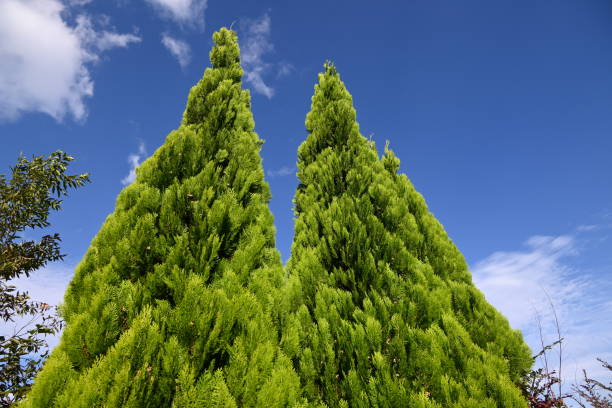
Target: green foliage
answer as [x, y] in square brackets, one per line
[380, 308]
[35, 188]
[174, 302]
[25, 202]
[181, 299]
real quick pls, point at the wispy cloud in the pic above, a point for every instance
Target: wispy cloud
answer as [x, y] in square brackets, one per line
[134, 159]
[284, 69]
[515, 282]
[255, 43]
[179, 49]
[47, 284]
[46, 61]
[97, 41]
[282, 172]
[189, 12]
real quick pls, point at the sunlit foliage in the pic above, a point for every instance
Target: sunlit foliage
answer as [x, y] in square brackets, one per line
[174, 302]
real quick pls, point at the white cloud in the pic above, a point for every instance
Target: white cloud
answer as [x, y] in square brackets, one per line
[516, 283]
[45, 60]
[255, 42]
[182, 11]
[99, 41]
[179, 49]
[47, 284]
[283, 171]
[134, 159]
[78, 2]
[284, 69]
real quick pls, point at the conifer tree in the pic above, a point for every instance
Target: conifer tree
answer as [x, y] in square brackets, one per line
[173, 303]
[382, 311]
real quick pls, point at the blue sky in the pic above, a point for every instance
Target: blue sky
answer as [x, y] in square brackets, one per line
[501, 113]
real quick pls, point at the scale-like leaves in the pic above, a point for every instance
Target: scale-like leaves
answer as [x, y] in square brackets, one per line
[172, 305]
[382, 310]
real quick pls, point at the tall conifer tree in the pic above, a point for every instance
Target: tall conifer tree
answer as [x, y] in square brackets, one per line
[173, 303]
[382, 308]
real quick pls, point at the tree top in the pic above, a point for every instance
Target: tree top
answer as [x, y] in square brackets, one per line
[332, 119]
[225, 53]
[225, 61]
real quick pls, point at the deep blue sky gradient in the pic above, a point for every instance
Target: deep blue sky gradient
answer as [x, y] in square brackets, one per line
[501, 114]
[499, 111]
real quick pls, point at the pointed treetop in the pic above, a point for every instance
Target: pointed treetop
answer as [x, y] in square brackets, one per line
[225, 61]
[330, 68]
[384, 311]
[332, 120]
[172, 304]
[226, 52]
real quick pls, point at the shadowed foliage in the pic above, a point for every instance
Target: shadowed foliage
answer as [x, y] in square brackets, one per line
[380, 306]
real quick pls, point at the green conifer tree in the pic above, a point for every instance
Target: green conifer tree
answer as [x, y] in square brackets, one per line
[173, 303]
[382, 311]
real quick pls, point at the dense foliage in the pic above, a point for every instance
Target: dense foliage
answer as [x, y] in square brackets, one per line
[382, 310]
[181, 299]
[174, 301]
[35, 189]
